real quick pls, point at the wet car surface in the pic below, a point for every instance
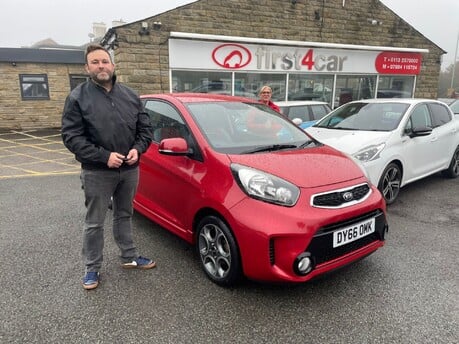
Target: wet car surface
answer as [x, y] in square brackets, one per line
[253, 192]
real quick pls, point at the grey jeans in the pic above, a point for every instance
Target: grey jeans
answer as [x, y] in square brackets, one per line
[99, 186]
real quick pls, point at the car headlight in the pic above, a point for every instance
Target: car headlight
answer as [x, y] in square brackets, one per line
[265, 186]
[359, 164]
[369, 153]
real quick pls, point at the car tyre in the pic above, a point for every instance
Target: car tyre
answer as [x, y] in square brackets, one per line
[453, 169]
[218, 251]
[390, 182]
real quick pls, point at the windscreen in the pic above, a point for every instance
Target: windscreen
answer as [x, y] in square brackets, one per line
[365, 116]
[240, 127]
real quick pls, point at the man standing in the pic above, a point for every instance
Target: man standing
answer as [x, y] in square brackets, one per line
[104, 125]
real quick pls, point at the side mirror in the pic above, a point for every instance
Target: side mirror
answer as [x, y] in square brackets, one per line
[174, 146]
[420, 131]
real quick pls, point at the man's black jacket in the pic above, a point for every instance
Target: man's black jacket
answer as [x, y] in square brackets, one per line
[96, 122]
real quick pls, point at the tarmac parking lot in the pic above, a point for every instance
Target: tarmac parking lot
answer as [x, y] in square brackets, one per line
[34, 153]
[406, 292]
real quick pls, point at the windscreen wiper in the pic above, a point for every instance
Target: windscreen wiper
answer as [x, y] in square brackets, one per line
[270, 148]
[309, 143]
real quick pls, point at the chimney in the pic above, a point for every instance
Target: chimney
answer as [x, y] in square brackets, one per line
[99, 29]
[116, 23]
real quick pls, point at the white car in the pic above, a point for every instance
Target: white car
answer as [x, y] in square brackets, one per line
[454, 105]
[308, 111]
[398, 141]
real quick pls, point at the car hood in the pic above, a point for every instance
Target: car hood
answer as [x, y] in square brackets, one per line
[349, 141]
[308, 168]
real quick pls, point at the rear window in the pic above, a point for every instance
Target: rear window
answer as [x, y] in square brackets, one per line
[440, 114]
[301, 112]
[319, 111]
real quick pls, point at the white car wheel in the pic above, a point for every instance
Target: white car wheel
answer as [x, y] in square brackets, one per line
[390, 182]
[453, 169]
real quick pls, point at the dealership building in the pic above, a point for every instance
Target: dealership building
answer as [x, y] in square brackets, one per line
[335, 51]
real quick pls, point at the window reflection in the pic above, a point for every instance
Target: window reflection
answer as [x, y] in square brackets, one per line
[310, 87]
[300, 86]
[395, 87]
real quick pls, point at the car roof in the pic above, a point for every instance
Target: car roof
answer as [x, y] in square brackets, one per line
[190, 97]
[409, 101]
[300, 102]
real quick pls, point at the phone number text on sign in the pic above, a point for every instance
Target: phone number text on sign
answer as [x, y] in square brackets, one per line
[398, 63]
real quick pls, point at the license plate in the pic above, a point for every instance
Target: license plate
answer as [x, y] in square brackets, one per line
[352, 233]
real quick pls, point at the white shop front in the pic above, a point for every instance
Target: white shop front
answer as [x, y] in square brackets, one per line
[335, 73]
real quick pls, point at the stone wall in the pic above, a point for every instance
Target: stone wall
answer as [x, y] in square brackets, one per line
[16, 113]
[142, 60]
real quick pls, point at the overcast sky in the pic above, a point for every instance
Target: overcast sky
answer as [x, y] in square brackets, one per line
[68, 22]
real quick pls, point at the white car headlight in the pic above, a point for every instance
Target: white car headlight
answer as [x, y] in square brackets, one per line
[359, 164]
[369, 153]
[265, 186]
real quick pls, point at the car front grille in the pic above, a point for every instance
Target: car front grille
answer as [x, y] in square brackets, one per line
[321, 246]
[342, 198]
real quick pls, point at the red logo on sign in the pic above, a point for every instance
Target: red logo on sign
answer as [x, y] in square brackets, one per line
[398, 63]
[231, 56]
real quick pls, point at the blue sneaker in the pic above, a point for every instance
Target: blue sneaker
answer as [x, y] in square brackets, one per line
[91, 280]
[140, 263]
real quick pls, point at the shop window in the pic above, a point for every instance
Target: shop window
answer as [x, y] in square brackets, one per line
[395, 87]
[202, 82]
[310, 87]
[354, 87]
[76, 79]
[34, 86]
[252, 83]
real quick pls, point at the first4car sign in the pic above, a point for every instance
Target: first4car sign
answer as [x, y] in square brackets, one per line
[195, 54]
[308, 60]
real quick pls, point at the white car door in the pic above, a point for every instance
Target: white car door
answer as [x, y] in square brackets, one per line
[420, 151]
[445, 133]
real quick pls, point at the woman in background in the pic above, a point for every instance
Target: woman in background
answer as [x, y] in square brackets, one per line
[265, 97]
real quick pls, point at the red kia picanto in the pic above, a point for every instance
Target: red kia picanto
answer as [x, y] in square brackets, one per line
[257, 196]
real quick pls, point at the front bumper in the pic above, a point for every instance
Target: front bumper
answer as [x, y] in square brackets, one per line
[271, 243]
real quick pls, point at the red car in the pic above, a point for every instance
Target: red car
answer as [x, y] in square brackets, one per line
[257, 196]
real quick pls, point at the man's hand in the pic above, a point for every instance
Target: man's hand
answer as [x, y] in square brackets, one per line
[115, 160]
[132, 157]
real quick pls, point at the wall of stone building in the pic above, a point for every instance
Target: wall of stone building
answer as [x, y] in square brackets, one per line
[16, 113]
[142, 60]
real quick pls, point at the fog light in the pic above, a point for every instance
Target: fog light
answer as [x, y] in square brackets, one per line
[303, 264]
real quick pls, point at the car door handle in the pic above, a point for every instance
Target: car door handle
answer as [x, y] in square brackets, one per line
[434, 139]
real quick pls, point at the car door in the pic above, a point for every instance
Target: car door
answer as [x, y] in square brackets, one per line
[445, 134]
[164, 179]
[420, 151]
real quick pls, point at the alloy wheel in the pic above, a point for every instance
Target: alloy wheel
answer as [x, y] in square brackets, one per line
[215, 251]
[390, 182]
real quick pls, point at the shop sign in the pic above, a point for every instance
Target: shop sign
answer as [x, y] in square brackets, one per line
[398, 63]
[231, 56]
[192, 54]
